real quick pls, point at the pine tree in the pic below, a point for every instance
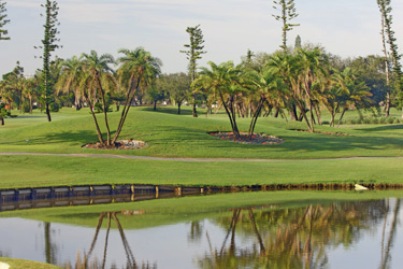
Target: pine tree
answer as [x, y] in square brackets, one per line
[50, 44]
[3, 21]
[194, 51]
[287, 12]
[385, 8]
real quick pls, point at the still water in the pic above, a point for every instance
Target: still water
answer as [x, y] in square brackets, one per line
[342, 234]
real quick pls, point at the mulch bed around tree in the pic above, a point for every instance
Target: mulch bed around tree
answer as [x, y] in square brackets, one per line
[257, 139]
[121, 144]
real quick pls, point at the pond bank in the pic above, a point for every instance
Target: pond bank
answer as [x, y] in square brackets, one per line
[26, 198]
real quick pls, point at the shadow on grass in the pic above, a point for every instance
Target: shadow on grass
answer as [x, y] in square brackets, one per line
[169, 110]
[383, 128]
[80, 137]
[344, 143]
[185, 111]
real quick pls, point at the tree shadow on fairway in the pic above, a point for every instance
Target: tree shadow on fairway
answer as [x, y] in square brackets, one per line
[178, 134]
[383, 128]
[337, 144]
[76, 137]
[169, 110]
[185, 111]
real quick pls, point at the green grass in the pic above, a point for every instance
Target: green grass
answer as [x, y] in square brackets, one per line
[328, 156]
[32, 171]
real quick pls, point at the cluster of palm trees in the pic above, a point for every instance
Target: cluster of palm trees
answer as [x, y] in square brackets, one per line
[295, 83]
[301, 82]
[91, 81]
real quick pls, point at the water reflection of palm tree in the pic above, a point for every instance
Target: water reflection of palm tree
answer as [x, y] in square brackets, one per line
[196, 230]
[131, 262]
[289, 238]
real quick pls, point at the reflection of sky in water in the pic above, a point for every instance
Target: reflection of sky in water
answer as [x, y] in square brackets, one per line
[166, 246]
[169, 246]
[367, 252]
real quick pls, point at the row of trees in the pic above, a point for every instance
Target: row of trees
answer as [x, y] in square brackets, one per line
[302, 81]
[297, 83]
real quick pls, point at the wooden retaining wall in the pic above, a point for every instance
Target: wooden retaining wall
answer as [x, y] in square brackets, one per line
[12, 199]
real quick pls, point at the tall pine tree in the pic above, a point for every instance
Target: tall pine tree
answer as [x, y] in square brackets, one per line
[287, 12]
[385, 7]
[50, 44]
[194, 51]
[3, 21]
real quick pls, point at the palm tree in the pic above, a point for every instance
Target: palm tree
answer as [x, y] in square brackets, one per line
[138, 69]
[70, 79]
[264, 83]
[30, 89]
[284, 66]
[312, 64]
[355, 93]
[225, 81]
[97, 69]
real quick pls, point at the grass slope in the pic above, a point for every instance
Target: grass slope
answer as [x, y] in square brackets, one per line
[328, 156]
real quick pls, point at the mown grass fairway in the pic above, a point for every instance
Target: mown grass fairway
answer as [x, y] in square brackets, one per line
[328, 157]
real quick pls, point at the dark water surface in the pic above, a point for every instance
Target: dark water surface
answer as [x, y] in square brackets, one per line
[333, 235]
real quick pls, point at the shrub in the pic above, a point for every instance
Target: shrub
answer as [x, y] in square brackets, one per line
[367, 121]
[390, 120]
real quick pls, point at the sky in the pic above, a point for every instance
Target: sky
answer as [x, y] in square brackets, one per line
[348, 28]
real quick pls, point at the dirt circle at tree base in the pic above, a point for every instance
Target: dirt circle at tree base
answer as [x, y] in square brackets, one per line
[244, 138]
[121, 144]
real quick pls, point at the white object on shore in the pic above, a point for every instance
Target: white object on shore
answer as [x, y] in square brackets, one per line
[4, 265]
[359, 187]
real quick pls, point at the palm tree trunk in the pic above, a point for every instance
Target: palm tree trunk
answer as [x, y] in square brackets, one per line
[129, 253]
[130, 96]
[333, 115]
[316, 106]
[194, 111]
[256, 116]
[311, 111]
[233, 117]
[255, 229]
[228, 110]
[234, 221]
[94, 117]
[303, 114]
[30, 103]
[94, 240]
[292, 109]
[47, 110]
[108, 229]
[105, 109]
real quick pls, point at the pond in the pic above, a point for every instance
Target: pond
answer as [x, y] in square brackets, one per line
[353, 232]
